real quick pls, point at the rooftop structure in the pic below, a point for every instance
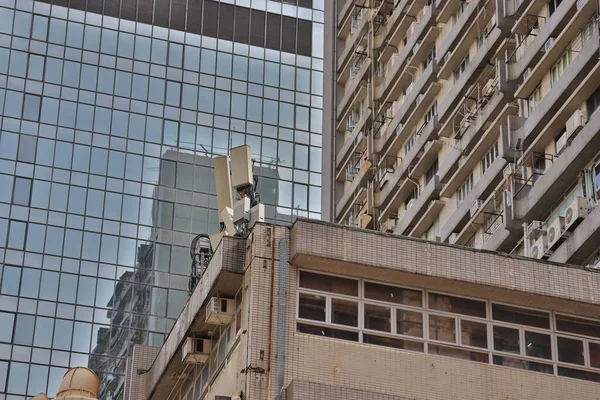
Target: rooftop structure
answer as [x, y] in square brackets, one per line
[321, 311]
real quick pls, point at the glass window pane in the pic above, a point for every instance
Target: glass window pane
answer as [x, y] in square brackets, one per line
[58, 30]
[49, 287]
[18, 63]
[31, 109]
[24, 329]
[95, 203]
[106, 80]
[16, 237]
[109, 41]
[206, 100]
[53, 70]
[207, 61]
[192, 58]
[22, 191]
[473, 334]
[126, 45]
[520, 316]
[377, 318]
[11, 280]
[457, 305]
[123, 84]
[54, 240]
[13, 104]
[442, 328]
[224, 62]
[328, 283]
[7, 321]
[142, 48]
[92, 38]
[71, 74]
[74, 34]
[538, 345]
[578, 326]
[311, 307]
[570, 350]
[173, 93]
[507, 339]
[49, 110]
[17, 379]
[6, 20]
[157, 90]
[344, 312]
[62, 334]
[175, 55]
[594, 355]
[159, 51]
[409, 323]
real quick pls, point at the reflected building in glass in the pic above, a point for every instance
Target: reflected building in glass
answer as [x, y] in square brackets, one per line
[111, 112]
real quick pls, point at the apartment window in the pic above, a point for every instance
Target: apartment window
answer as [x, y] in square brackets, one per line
[432, 171]
[461, 68]
[432, 112]
[534, 99]
[593, 102]
[465, 189]
[459, 11]
[553, 5]
[559, 68]
[489, 158]
[481, 39]
[429, 59]
[410, 143]
[454, 326]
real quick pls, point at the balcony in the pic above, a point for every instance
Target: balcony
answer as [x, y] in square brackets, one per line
[533, 50]
[426, 133]
[471, 73]
[395, 131]
[459, 28]
[482, 189]
[582, 243]
[359, 181]
[411, 215]
[559, 46]
[355, 92]
[392, 88]
[352, 45]
[453, 174]
[562, 173]
[345, 16]
[349, 143]
[428, 218]
[427, 159]
[560, 93]
[523, 7]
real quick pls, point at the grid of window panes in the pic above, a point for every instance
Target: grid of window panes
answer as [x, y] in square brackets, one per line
[436, 323]
[108, 129]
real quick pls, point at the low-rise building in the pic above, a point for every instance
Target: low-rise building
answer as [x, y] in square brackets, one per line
[322, 311]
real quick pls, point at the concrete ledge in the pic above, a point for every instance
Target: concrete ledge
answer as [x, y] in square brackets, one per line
[481, 273]
[304, 390]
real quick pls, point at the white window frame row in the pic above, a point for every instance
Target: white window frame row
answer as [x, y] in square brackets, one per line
[552, 332]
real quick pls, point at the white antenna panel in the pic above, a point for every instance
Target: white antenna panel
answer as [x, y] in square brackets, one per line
[223, 183]
[241, 166]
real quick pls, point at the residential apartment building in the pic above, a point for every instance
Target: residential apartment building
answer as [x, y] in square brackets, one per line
[468, 122]
[110, 114]
[321, 311]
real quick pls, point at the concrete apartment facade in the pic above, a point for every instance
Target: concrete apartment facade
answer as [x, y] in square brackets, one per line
[322, 311]
[468, 122]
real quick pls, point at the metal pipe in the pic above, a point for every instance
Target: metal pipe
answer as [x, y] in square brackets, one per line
[271, 311]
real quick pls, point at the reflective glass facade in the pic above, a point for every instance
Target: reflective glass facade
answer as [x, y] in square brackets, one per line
[110, 115]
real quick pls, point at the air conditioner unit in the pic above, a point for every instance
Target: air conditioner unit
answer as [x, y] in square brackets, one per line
[534, 228]
[555, 231]
[364, 220]
[475, 206]
[574, 125]
[561, 143]
[196, 350]
[576, 211]
[389, 225]
[548, 44]
[220, 311]
[453, 238]
[539, 247]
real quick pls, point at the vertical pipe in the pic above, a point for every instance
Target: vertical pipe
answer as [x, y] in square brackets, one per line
[271, 311]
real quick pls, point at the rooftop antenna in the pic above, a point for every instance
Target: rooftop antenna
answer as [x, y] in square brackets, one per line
[235, 218]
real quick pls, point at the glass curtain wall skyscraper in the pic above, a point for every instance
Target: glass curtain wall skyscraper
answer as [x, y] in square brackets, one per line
[111, 112]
